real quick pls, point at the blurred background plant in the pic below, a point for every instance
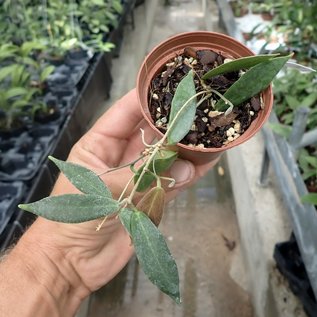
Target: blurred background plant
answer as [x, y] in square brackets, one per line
[38, 34]
[290, 26]
[293, 91]
[295, 21]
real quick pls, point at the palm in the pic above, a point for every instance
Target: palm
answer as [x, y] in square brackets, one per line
[108, 144]
[114, 140]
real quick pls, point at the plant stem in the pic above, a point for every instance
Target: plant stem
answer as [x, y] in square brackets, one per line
[157, 147]
[203, 99]
[101, 223]
[125, 188]
[122, 166]
[222, 97]
[169, 179]
[143, 139]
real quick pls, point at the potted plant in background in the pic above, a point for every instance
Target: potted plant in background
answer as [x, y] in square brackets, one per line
[239, 7]
[16, 95]
[250, 75]
[36, 35]
[294, 91]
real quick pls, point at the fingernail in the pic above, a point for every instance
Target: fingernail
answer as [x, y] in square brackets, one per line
[182, 171]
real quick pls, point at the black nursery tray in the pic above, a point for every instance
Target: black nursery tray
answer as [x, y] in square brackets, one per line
[290, 264]
[22, 156]
[67, 75]
[10, 196]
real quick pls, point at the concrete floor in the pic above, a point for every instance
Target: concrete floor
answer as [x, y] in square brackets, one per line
[200, 225]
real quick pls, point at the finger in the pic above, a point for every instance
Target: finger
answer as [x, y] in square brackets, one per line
[116, 138]
[110, 151]
[121, 119]
[186, 174]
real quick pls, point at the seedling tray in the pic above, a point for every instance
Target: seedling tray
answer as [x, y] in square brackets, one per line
[291, 265]
[23, 155]
[10, 196]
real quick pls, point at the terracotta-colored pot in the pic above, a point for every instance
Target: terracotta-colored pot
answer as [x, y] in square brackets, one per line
[174, 46]
[267, 16]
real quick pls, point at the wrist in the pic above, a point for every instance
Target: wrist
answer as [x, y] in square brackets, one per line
[38, 273]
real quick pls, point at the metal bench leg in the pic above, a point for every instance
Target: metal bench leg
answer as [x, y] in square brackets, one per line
[264, 179]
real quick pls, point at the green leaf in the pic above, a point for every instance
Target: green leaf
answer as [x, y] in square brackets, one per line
[292, 101]
[29, 61]
[46, 72]
[72, 208]
[28, 47]
[308, 174]
[147, 179]
[161, 162]
[20, 103]
[252, 82]
[310, 100]
[183, 109]
[154, 255]
[16, 91]
[310, 199]
[125, 218]
[281, 129]
[117, 6]
[82, 178]
[7, 50]
[19, 76]
[98, 2]
[6, 71]
[237, 64]
[288, 118]
[312, 161]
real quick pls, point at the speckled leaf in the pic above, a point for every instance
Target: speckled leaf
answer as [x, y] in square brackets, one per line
[184, 107]
[125, 218]
[252, 82]
[310, 199]
[147, 179]
[82, 178]
[72, 208]
[154, 255]
[162, 162]
[237, 64]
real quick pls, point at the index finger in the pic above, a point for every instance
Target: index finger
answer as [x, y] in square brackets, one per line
[121, 119]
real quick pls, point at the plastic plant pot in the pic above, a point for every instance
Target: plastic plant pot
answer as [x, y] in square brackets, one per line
[174, 46]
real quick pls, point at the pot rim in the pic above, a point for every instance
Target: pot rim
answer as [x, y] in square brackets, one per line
[256, 123]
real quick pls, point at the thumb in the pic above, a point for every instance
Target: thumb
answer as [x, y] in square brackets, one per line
[183, 172]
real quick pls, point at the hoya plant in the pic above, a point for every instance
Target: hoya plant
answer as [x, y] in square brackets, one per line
[141, 219]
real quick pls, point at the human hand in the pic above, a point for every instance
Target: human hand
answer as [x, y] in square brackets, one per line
[90, 258]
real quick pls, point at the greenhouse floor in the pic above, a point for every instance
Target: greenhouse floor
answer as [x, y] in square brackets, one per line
[200, 225]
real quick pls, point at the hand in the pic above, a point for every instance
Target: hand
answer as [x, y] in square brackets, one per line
[87, 258]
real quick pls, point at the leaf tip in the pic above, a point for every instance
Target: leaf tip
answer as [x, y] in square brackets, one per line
[52, 158]
[178, 300]
[24, 207]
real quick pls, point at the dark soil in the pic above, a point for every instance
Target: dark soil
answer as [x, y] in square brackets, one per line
[16, 128]
[211, 128]
[48, 114]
